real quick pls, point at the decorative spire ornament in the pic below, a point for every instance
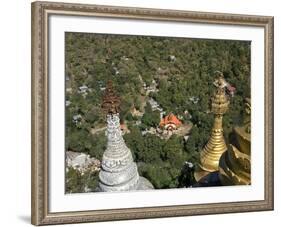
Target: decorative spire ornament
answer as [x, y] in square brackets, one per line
[215, 147]
[118, 170]
[110, 102]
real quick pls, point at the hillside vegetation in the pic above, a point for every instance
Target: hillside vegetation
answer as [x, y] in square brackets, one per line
[181, 73]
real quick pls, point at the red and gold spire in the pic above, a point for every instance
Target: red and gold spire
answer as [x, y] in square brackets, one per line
[110, 101]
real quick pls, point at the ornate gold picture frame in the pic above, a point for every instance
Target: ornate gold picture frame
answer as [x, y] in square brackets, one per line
[41, 68]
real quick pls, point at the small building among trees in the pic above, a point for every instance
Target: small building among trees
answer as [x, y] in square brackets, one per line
[170, 122]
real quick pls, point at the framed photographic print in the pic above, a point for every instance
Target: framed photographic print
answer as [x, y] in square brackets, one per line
[144, 113]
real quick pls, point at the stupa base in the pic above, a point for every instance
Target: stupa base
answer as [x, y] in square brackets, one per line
[200, 173]
[210, 180]
[142, 184]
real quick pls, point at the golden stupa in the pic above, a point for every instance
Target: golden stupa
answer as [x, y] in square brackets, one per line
[211, 153]
[235, 163]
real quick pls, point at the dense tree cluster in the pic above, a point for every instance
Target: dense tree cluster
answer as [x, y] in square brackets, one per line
[80, 182]
[184, 72]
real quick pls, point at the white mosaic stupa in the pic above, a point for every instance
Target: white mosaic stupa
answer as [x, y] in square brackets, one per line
[118, 172]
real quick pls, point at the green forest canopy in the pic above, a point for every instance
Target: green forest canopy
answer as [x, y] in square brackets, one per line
[182, 67]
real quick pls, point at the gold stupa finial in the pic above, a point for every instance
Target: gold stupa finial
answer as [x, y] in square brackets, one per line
[220, 100]
[110, 101]
[215, 147]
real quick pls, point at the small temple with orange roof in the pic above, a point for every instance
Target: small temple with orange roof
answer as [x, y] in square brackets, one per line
[170, 122]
